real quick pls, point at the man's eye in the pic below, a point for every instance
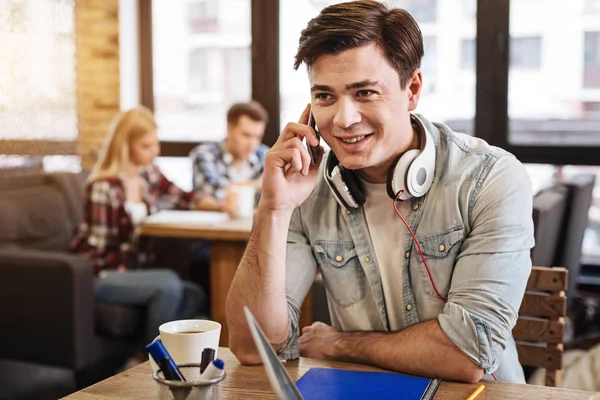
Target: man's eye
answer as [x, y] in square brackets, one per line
[322, 96]
[364, 93]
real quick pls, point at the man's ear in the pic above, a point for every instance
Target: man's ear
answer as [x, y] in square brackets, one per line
[413, 91]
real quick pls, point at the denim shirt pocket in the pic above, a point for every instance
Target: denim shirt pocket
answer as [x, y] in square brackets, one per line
[342, 272]
[439, 250]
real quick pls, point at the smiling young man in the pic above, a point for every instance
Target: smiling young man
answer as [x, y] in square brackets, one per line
[468, 203]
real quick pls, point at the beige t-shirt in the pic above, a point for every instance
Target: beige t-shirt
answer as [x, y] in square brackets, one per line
[387, 234]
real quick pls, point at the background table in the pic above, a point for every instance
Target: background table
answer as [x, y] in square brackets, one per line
[228, 239]
[244, 382]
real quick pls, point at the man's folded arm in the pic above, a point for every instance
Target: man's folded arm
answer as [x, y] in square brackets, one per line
[493, 266]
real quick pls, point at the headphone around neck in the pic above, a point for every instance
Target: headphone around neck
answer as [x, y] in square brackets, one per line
[412, 173]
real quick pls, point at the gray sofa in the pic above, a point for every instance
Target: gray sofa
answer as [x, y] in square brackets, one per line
[54, 338]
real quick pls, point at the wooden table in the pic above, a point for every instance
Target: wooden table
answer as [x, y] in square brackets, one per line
[251, 383]
[227, 244]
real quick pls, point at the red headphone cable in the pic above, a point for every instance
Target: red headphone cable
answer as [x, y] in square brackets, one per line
[418, 246]
[421, 253]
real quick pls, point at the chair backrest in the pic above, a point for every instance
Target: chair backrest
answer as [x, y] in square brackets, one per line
[539, 331]
[548, 220]
[575, 222]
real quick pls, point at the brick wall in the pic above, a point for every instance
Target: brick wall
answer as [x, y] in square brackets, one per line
[97, 55]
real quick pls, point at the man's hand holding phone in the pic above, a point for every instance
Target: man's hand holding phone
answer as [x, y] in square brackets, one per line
[290, 173]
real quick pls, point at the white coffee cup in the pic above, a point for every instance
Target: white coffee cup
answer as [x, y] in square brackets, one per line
[186, 339]
[244, 200]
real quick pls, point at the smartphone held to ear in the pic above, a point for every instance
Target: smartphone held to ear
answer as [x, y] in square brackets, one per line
[313, 150]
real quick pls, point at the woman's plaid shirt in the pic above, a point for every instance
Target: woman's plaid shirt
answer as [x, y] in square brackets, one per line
[107, 234]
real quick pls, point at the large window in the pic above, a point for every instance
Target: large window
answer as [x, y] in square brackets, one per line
[538, 92]
[37, 77]
[554, 75]
[201, 65]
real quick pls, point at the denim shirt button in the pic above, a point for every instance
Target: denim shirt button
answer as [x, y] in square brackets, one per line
[338, 258]
[367, 259]
[442, 247]
[407, 255]
[409, 307]
[416, 207]
[348, 212]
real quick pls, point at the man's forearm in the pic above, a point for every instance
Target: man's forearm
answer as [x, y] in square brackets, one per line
[259, 283]
[422, 349]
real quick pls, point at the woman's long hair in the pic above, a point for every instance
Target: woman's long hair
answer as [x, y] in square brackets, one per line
[125, 128]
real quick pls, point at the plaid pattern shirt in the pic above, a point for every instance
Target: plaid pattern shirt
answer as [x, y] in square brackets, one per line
[213, 165]
[107, 234]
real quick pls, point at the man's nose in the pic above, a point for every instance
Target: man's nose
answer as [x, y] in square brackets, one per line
[346, 114]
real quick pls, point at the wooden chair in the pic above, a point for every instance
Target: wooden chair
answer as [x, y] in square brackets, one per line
[539, 331]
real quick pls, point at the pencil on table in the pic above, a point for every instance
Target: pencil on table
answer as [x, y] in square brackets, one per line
[476, 392]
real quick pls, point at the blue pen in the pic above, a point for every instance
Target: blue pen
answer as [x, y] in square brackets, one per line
[165, 362]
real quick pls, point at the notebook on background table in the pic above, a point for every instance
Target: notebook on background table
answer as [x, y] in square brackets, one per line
[334, 384]
[187, 217]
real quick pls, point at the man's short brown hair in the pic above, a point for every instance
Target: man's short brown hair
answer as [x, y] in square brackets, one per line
[253, 109]
[358, 23]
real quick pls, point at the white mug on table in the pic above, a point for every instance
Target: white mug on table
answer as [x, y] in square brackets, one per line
[242, 198]
[186, 339]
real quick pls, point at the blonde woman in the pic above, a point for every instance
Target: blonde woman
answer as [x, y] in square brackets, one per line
[123, 188]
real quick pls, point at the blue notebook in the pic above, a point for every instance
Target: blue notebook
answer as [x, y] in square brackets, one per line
[334, 384]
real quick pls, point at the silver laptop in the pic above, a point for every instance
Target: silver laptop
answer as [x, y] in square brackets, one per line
[278, 376]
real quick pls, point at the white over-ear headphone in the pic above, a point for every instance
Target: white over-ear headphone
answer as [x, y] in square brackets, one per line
[412, 173]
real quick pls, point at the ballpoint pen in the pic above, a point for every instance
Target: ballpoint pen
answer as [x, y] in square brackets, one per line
[476, 392]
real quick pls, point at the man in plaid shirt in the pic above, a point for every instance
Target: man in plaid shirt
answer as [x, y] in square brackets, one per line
[239, 159]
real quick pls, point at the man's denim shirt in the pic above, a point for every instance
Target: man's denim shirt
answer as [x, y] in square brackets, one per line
[475, 229]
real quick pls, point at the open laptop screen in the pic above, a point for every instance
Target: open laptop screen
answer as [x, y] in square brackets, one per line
[278, 376]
